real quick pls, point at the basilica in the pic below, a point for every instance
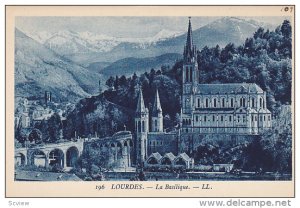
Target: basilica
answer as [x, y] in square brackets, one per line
[231, 110]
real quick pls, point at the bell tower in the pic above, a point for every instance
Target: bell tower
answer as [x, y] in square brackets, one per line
[141, 129]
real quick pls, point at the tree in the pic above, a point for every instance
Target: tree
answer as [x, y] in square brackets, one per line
[259, 33]
[286, 29]
[54, 127]
[110, 82]
[123, 81]
[36, 136]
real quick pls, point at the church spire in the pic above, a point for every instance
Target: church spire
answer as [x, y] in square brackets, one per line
[140, 105]
[156, 106]
[189, 39]
[189, 52]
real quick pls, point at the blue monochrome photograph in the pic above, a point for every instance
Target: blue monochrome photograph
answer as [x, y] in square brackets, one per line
[153, 98]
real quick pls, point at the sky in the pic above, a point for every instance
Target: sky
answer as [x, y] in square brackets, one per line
[121, 26]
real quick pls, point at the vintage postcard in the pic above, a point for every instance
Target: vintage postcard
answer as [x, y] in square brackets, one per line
[150, 101]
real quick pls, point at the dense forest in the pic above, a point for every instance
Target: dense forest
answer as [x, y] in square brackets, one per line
[264, 59]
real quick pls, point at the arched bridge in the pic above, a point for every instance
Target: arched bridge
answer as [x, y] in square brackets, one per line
[64, 154]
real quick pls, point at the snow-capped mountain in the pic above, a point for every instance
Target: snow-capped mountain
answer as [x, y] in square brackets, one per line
[87, 47]
[69, 42]
[38, 69]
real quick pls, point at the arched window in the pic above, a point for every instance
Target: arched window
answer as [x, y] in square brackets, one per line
[204, 118]
[221, 118]
[186, 74]
[213, 118]
[215, 102]
[263, 104]
[242, 102]
[253, 102]
[206, 102]
[260, 102]
[191, 74]
[231, 102]
[230, 118]
[139, 126]
[198, 102]
[223, 102]
[143, 126]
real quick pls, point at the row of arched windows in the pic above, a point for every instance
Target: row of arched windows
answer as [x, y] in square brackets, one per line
[186, 122]
[140, 126]
[188, 74]
[214, 118]
[242, 102]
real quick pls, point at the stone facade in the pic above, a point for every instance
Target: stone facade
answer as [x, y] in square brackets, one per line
[234, 108]
[115, 151]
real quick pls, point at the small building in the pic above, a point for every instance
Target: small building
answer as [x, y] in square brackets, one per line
[169, 160]
[183, 161]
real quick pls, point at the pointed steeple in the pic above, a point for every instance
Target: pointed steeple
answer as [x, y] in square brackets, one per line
[140, 105]
[189, 51]
[189, 39]
[156, 106]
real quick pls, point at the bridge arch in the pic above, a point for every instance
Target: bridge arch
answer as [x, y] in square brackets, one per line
[38, 158]
[20, 159]
[72, 155]
[56, 156]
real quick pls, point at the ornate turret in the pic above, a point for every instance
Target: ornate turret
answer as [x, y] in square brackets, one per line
[157, 117]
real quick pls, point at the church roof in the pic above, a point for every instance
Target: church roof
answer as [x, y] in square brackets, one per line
[156, 155]
[170, 155]
[229, 88]
[261, 110]
[156, 105]
[184, 156]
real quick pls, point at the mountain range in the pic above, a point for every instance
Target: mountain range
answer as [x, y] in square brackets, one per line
[86, 47]
[70, 64]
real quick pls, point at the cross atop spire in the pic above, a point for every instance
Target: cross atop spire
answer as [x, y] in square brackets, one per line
[156, 106]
